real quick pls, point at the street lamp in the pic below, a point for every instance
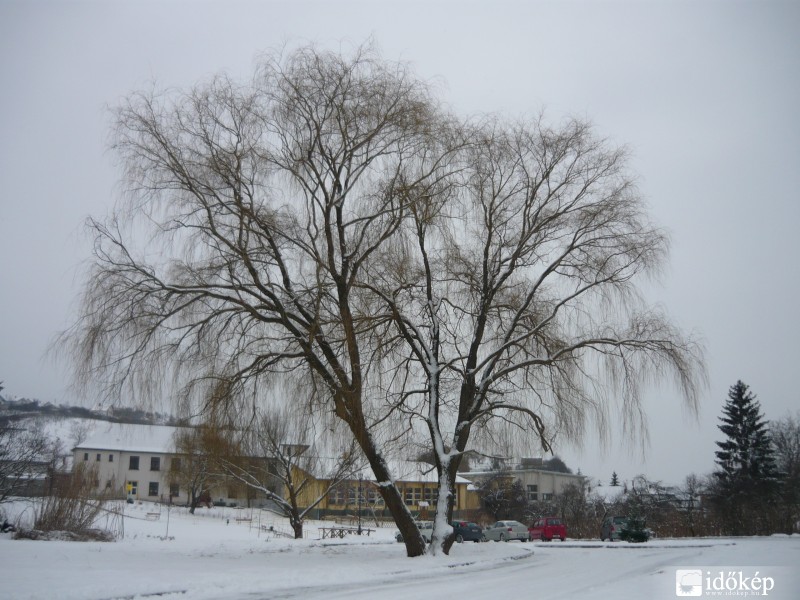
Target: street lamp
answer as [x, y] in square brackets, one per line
[359, 504]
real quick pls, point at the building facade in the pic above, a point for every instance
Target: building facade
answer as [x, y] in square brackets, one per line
[540, 485]
[418, 487]
[136, 462]
[132, 461]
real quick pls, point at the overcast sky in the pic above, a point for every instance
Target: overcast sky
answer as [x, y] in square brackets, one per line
[705, 94]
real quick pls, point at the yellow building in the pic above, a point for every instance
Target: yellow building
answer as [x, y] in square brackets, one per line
[416, 481]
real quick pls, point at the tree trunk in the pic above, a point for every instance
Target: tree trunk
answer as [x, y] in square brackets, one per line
[442, 538]
[297, 525]
[350, 412]
[415, 544]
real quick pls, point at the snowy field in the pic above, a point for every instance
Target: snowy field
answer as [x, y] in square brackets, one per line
[214, 556]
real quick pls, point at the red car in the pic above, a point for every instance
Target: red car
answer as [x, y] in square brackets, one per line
[547, 529]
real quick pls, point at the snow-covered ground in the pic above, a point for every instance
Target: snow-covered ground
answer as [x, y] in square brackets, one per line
[214, 556]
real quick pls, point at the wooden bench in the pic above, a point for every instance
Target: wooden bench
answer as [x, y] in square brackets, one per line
[153, 516]
[243, 519]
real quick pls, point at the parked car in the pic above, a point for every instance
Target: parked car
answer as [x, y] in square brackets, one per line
[547, 529]
[467, 532]
[505, 531]
[611, 528]
[425, 528]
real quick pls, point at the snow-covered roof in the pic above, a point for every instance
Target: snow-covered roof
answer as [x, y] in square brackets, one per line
[131, 438]
[485, 474]
[414, 471]
[401, 470]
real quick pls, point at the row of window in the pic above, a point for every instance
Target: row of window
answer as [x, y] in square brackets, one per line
[412, 496]
[132, 489]
[533, 494]
[133, 461]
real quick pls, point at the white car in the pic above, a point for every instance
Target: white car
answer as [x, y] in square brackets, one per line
[505, 531]
[425, 528]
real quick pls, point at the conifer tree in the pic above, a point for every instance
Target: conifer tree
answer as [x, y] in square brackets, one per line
[747, 477]
[614, 479]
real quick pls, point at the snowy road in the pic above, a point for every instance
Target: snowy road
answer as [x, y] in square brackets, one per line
[585, 570]
[208, 557]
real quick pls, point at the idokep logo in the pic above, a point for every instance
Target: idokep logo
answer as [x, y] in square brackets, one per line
[689, 582]
[707, 582]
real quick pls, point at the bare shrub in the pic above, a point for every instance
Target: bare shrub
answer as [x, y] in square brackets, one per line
[72, 506]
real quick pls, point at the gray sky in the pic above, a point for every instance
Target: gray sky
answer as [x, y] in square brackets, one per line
[706, 95]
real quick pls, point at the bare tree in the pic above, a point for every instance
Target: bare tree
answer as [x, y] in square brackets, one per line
[268, 201]
[515, 302]
[692, 510]
[74, 504]
[432, 279]
[193, 469]
[280, 457]
[79, 430]
[25, 455]
[785, 434]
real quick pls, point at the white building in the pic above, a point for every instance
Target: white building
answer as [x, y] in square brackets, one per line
[132, 460]
[540, 484]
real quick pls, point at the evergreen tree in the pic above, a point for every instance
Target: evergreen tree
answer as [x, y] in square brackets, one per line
[614, 479]
[747, 478]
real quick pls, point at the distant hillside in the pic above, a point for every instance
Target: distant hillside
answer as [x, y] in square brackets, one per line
[24, 408]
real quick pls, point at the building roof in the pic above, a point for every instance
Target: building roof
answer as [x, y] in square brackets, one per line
[155, 439]
[511, 472]
[413, 472]
[158, 439]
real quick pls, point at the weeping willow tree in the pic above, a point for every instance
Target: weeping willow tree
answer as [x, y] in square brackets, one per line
[515, 305]
[436, 283]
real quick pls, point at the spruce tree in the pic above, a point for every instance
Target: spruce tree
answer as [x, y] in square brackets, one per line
[747, 477]
[614, 479]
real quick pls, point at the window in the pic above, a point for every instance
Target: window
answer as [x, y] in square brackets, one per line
[98, 457]
[110, 458]
[153, 489]
[174, 490]
[133, 488]
[547, 497]
[413, 495]
[85, 456]
[133, 465]
[155, 463]
[336, 496]
[431, 495]
[533, 492]
[352, 496]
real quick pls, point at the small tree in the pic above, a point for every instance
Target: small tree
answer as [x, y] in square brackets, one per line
[747, 477]
[278, 458]
[692, 511]
[193, 468]
[24, 450]
[557, 465]
[614, 479]
[73, 504]
[785, 435]
[503, 497]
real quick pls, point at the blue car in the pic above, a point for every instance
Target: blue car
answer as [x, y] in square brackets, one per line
[466, 531]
